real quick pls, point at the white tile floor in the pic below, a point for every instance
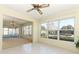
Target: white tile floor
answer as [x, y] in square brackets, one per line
[35, 49]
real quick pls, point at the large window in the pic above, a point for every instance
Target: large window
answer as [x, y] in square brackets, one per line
[27, 30]
[44, 30]
[10, 32]
[67, 29]
[60, 30]
[52, 30]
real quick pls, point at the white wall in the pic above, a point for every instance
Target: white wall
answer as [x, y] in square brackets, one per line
[64, 44]
[1, 30]
[7, 11]
[36, 29]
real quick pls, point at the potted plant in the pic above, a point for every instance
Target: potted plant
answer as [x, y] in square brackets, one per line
[77, 44]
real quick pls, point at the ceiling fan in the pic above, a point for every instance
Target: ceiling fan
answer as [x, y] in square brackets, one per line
[38, 7]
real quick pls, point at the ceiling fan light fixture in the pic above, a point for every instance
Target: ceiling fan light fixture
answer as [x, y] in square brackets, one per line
[38, 7]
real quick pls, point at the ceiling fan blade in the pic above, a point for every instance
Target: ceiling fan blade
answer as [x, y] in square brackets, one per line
[40, 12]
[43, 5]
[35, 5]
[30, 9]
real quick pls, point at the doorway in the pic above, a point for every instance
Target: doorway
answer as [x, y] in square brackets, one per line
[16, 31]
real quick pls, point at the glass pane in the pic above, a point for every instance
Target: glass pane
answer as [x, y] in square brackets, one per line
[17, 31]
[52, 30]
[44, 26]
[67, 29]
[52, 34]
[10, 31]
[14, 31]
[43, 34]
[5, 29]
[27, 30]
[53, 25]
[44, 30]
[5, 32]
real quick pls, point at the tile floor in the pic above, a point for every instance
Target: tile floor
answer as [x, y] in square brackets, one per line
[35, 49]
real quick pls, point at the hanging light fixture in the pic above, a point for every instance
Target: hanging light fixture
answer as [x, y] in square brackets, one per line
[13, 24]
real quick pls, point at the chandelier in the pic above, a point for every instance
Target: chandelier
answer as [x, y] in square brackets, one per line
[13, 24]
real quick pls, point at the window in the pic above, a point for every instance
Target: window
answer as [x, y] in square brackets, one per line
[30, 29]
[59, 30]
[52, 30]
[14, 31]
[5, 31]
[67, 29]
[27, 30]
[44, 30]
[17, 31]
[10, 32]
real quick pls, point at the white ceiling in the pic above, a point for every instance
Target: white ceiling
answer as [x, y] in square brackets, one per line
[48, 11]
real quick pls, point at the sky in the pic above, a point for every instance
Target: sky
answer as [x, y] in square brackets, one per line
[69, 21]
[63, 22]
